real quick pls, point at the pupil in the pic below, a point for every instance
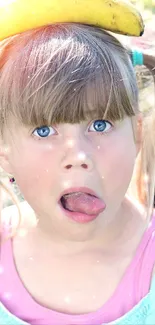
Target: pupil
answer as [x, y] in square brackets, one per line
[100, 125]
[43, 131]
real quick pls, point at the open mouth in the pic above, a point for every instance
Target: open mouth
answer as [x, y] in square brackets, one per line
[81, 204]
[63, 201]
[70, 201]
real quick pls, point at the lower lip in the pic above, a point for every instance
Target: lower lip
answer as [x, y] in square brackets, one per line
[77, 216]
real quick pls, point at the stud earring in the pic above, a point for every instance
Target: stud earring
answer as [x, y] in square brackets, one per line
[12, 180]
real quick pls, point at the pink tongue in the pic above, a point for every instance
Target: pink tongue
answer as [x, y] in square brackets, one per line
[84, 203]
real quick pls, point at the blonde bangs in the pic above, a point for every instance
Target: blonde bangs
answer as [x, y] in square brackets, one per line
[66, 74]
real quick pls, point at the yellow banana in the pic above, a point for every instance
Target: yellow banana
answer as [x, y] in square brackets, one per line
[119, 16]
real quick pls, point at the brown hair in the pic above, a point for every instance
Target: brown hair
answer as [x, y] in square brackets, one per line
[47, 74]
[145, 166]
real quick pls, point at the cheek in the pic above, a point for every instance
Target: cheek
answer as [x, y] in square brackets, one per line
[115, 160]
[34, 168]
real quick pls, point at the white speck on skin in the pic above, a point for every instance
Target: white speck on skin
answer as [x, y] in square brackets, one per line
[6, 149]
[49, 147]
[98, 147]
[66, 184]
[67, 300]
[70, 143]
[145, 179]
[82, 156]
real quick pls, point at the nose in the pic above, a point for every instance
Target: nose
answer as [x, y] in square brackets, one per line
[77, 156]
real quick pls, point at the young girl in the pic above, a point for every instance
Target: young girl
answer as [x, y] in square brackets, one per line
[71, 132]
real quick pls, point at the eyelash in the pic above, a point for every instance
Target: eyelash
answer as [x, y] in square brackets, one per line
[101, 132]
[38, 137]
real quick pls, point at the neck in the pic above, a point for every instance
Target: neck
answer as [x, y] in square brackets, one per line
[107, 235]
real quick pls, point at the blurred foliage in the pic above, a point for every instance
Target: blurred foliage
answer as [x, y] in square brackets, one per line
[149, 4]
[146, 4]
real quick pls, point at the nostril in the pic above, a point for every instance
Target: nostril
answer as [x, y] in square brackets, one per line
[68, 166]
[84, 166]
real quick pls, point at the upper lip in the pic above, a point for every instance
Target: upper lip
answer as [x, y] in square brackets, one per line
[78, 189]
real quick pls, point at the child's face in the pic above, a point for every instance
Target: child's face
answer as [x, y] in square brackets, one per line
[49, 160]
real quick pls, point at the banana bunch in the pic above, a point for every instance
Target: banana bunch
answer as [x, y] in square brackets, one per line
[119, 16]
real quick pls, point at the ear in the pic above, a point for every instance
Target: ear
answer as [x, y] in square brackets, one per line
[4, 159]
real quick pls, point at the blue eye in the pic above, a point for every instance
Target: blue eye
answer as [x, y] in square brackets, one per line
[100, 126]
[43, 131]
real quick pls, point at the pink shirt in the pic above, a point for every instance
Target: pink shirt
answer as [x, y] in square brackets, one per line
[132, 288]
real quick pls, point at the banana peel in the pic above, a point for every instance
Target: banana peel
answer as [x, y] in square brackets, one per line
[118, 16]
